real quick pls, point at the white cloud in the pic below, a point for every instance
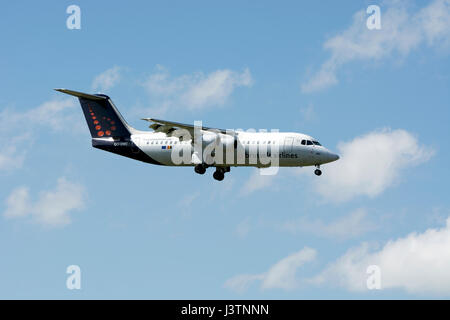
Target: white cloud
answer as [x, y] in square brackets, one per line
[10, 159]
[243, 228]
[370, 163]
[195, 91]
[257, 181]
[242, 282]
[52, 208]
[18, 127]
[53, 113]
[418, 263]
[435, 20]
[308, 113]
[282, 275]
[107, 79]
[324, 78]
[215, 88]
[12, 154]
[18, 203]
[401, 32]
[352, 225]
[16, 131]
[189, 199]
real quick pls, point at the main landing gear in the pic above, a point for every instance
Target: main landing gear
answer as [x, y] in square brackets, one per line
[219, 174]
[318, 172]
[200, 169]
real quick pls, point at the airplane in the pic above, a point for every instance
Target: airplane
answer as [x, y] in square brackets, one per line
[169, 140]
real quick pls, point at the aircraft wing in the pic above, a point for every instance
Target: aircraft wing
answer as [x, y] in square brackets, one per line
[169, 126]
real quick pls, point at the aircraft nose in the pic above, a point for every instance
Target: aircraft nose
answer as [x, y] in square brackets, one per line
[332, 156]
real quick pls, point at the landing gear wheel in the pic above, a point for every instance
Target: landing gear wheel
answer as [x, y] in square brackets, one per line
[318, 172]
[219, 175]
[200, 169]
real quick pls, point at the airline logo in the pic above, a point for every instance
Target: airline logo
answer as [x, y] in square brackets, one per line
[166, 147]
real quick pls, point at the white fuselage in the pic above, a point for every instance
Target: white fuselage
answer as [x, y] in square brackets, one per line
[290, 149]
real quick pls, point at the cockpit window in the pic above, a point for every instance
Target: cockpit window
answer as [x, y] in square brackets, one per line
[317, 143]
[303, 142]
[309, 142]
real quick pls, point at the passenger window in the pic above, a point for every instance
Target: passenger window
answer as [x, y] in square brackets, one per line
[268, 142]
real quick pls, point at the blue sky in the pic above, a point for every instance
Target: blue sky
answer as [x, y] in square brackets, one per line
[380, 98]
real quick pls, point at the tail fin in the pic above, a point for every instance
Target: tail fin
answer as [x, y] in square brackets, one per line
[102, 117]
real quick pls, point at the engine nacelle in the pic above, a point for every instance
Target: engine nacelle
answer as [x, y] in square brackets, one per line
[209, 138]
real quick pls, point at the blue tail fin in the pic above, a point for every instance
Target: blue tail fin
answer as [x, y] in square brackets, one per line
[102, 117]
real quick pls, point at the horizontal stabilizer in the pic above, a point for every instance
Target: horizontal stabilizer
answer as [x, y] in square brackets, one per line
[82, 95]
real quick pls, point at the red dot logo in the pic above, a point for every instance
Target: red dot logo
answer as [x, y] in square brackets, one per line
[96, 122]
[98, 128]
[100, 133]
[113, 128]
[108, 133]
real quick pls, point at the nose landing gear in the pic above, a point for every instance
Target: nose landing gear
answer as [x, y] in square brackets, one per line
[318, 172]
